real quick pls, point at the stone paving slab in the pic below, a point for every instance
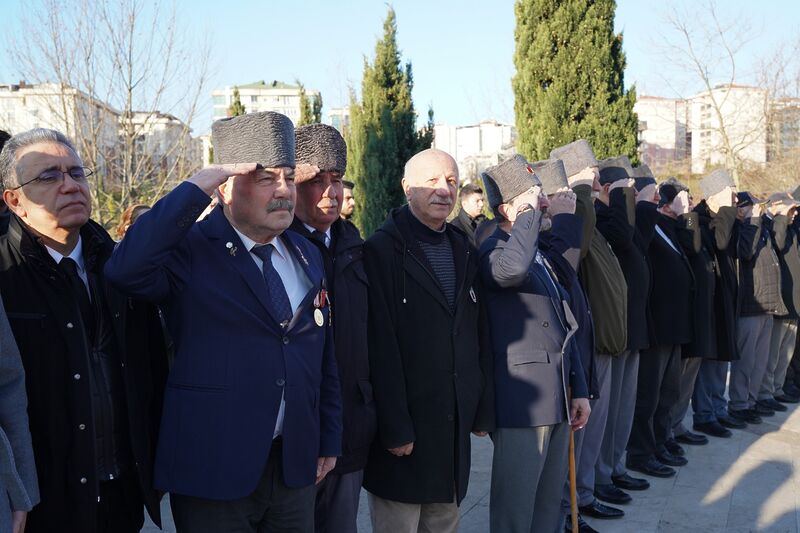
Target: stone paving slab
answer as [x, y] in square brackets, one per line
[748, 483]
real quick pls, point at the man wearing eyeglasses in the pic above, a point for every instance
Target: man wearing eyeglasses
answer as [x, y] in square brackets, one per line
[94, 360]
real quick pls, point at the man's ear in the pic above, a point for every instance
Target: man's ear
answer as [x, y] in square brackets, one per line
[225, 191]
[12, 200]
[406, 187]
[505, 210]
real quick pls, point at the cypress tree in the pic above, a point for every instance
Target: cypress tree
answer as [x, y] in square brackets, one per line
[237, 107]
[310, 108]
[569, 82]
[382, 134]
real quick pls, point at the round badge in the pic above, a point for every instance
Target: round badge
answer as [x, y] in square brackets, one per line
[318, 318]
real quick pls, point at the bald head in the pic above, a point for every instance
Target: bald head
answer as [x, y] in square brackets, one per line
[430, 181]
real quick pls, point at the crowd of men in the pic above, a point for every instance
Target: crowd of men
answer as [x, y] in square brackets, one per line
[244, 350]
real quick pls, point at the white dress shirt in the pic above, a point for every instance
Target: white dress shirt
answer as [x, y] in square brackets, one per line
[294, 281]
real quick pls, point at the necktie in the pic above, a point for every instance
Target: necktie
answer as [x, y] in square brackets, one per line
[320, 236]
[277, 292]
[80, 293]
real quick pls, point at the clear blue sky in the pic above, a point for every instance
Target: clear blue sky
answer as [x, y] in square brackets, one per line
[461, 51]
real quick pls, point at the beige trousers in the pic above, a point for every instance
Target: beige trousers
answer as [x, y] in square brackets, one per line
[389, 516]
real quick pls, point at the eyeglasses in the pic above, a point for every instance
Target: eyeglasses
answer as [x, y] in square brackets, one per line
[54, 175]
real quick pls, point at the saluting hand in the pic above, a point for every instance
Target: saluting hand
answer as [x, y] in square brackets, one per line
[562, 202]
[619, 184]
[647, 194]
[212, 176]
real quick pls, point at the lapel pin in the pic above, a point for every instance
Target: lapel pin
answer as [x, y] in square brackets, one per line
[231, 248]
[472, 295]
[318, 318]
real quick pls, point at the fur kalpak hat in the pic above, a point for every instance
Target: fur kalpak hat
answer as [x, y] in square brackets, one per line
[552, 175]
[614, 169]
[715, 182]
[576, 156]
[266, 138]
[321, 146]
[643, 176]
[509, 179]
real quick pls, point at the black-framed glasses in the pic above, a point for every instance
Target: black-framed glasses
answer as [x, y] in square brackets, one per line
[54, 175]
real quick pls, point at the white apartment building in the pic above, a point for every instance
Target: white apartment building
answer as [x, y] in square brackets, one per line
[476, 147]
[262, 96]
[163, 138]
[662, 131]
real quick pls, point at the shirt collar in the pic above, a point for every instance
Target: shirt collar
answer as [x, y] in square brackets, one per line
[76, 255]
[327, 233]
[250, 243]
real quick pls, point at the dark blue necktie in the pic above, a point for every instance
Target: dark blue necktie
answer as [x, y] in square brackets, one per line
[277, 292]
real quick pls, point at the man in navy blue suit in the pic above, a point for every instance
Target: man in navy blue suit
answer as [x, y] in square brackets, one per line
[252, 411]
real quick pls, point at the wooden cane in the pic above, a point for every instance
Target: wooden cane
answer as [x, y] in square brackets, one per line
[573, 484]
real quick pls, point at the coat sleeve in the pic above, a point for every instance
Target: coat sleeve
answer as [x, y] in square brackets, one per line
[508, 264]
[330, 400]
[566, 236]
[646, 217]
[585, 210]
[723, 227]
[395, 426]
[613, 222]
[782, 241]
[17, 468]
[485, 417]
[688, 231]
[577, 374]
[152, 262]
[749, 237]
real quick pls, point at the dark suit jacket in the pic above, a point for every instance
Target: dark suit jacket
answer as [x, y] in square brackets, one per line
[233, 360]
[534, 360]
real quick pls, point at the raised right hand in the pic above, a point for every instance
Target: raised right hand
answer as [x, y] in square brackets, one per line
[584, 177]
[212, 176]
[647, 194]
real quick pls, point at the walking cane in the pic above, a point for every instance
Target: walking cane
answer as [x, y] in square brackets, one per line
[573, 483]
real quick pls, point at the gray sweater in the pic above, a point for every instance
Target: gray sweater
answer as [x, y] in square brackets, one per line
[17, 470]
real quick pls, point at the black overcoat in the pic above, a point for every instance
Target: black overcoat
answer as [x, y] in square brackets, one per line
[45, 319]
[431, 368]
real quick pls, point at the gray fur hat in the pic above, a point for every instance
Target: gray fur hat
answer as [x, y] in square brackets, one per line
[322, 146]
[266, 138]
[715, 182]
[614, 169]
[552, 174]
[509, 179]
[796, 193]
[576, 156]
[643, 171]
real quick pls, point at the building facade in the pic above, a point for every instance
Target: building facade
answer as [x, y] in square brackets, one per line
[476, 147]
[262, 96]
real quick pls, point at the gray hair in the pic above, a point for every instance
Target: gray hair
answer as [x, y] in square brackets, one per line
[8, 156]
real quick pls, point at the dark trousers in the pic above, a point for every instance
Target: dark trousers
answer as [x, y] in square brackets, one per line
[272, 507]
[793, 372]
[120, 509]
[657, 390]
[708, 401]
[337, 503]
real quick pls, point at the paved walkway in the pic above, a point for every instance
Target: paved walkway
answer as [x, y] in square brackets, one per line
[750, 482]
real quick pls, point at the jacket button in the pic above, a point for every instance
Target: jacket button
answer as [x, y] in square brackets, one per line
[76, 377]
[455, 374]
[450, 418]
[280, 382]
[69, 325]
[545, 324]
[83, 481]
[286, 340]
[81, 426]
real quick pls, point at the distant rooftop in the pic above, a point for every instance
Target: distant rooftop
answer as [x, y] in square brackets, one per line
[275, 84]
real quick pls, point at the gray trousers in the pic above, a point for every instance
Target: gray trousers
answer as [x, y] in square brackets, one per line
[690, 367]
[621, 401]
[590, 438]
[753, 334]
[337, 503]
[781, 349]
[389, 516]
[708, 401]
[528, 469]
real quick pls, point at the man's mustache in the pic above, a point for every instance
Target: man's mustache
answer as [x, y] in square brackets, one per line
[275, 205]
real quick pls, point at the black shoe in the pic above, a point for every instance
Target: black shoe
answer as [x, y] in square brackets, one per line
[730, 422]
[714, 429]
[652, 468]
[598, 510]
[583, 527]
[791, 389]
[787, 398]
[691, 438]
[611, 494]
[745, 415]
[674, 448]
[672, 460]
[626, 482]
[772, 403]
[762, 410]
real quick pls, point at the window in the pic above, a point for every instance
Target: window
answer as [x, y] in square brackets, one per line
[253, 99]
[219, 100]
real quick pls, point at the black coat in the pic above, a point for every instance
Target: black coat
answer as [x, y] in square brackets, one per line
[625, 239]
[431, 368]
[785, 238]
[715, 290]
[759, 268]
[467, 224]
[43, 316]
[672, 298]
[347, 281]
